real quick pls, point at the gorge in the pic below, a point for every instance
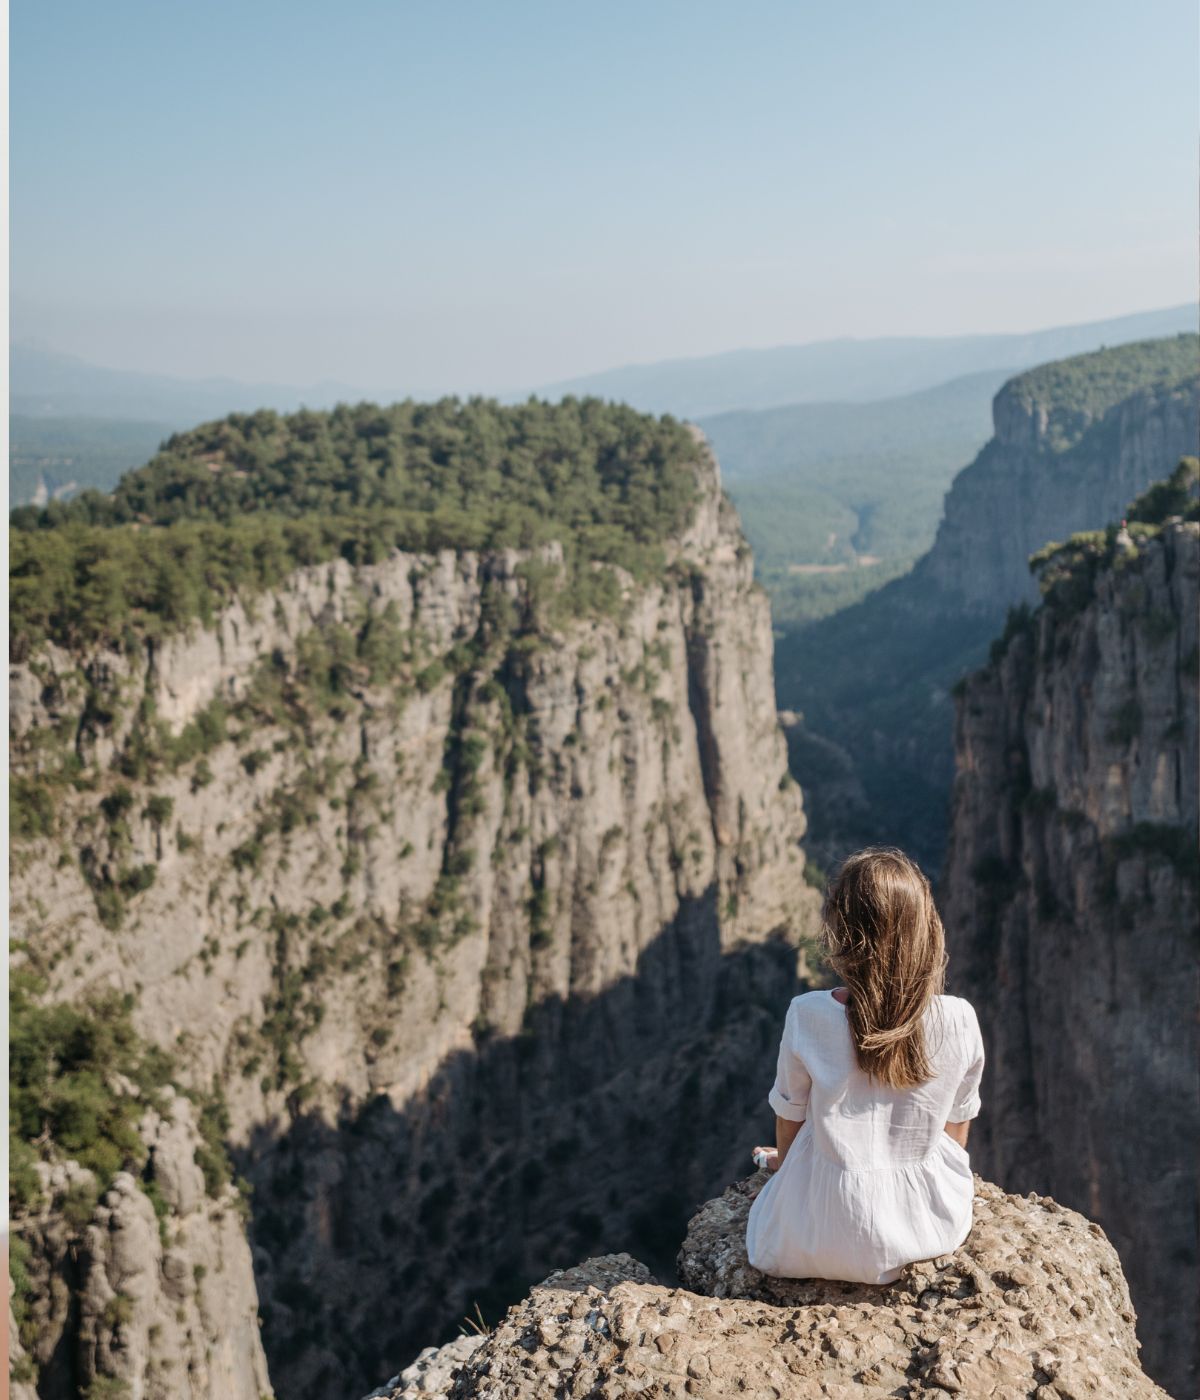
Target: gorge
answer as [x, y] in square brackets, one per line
[408, 884]
[463, 888]
[1075, 441]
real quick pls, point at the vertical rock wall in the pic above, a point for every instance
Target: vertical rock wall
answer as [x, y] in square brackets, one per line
[488, 961]
[1070, 898]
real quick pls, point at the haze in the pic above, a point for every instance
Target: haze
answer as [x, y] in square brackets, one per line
[421, 197]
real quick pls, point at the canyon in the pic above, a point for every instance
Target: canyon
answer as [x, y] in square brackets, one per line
[483, 965]
[1074, 442]
[421, 921]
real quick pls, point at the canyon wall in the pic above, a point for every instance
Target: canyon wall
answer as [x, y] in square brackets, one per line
[140, 1295]
[1048, 472]
[480, 927]
[1070, 900]
[1075, 441]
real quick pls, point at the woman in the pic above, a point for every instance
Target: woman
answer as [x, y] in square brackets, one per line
[875, 1086]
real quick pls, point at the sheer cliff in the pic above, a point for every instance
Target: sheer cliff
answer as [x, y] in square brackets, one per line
[1074, 442]
[463, 888]
[1070, 900]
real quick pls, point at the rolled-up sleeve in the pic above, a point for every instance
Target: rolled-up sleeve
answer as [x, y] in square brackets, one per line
[789, 1094]
[966, 1101]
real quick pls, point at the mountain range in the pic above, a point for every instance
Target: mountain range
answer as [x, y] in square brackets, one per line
[855, 370]
[45, 383]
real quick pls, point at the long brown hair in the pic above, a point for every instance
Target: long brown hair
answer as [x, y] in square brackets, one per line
[883, 937]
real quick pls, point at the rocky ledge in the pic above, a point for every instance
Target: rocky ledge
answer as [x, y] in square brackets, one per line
[1033, 1305]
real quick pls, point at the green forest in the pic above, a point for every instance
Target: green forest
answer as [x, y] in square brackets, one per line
[1080, 390]
[839, 498]
[239, 503]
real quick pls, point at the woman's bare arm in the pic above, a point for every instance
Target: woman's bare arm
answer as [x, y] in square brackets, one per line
[958, 1131]
[785, 1135]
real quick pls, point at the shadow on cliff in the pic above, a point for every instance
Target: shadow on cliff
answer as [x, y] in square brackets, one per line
[599, 1128]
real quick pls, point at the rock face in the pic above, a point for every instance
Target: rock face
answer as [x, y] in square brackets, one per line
[166, 1308]
[1070, 900]
[1033, 1304]
[1048, 473]
[465, 951]
[1075, 442]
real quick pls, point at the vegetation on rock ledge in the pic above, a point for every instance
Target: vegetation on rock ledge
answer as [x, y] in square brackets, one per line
[1067, 572]
[240, 503]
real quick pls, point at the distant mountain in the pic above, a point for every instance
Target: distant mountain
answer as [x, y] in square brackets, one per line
[853, 369]
[46, 384]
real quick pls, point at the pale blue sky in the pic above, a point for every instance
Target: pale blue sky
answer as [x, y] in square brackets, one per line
[415, 196]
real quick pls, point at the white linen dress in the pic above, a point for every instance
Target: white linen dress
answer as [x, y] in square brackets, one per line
[873, 1181]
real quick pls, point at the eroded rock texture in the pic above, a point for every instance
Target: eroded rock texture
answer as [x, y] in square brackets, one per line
[470, 951]
[1070, 900]
[1034, 1304]
[137, 1306]
[1048, 472]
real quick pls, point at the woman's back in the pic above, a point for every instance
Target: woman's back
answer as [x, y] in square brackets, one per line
[872, 1181]
[864, 1125]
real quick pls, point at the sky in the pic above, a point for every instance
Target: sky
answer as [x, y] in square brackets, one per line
[416, 197]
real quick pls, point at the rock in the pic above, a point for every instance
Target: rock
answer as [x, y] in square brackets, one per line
[1070, 903]
[1042, 478]
[165, 1308]
[447, 1019]
[875, 680]
[1034, 1304]
[431, 1375]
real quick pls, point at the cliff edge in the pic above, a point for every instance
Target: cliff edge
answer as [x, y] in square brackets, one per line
[1033, 1304]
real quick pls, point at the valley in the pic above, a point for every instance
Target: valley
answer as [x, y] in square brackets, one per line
[410, 865]
[463, 889]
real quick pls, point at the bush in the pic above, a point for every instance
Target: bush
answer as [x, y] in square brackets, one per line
[30, 808]
[814, 876]
[158, 810]
[63, 1059]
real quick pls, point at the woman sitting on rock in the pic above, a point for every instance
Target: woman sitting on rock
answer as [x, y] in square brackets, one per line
[875, 1085]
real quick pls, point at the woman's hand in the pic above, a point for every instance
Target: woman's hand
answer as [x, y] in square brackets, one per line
[766, 1157]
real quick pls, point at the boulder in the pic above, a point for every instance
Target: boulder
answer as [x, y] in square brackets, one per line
[1034, 1304]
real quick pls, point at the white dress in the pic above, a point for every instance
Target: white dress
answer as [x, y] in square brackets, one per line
[873, 1181]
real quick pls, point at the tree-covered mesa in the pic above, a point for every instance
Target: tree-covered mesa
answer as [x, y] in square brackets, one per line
[1078, 391]
[239, 503]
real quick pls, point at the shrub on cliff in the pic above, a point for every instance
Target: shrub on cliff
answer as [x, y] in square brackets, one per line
[1067, 571]
[80, 1079]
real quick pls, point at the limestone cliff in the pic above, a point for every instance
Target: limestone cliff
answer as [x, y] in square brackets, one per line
[469, 949]
[1050, 470]
[1070, 900]
[1033, 1304]
[1075, 441]
[137, 1296]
